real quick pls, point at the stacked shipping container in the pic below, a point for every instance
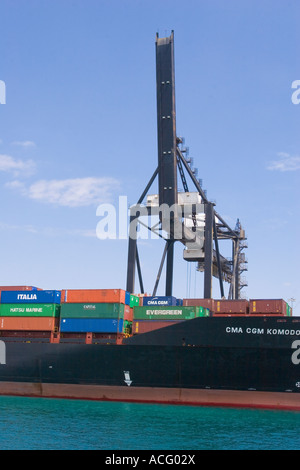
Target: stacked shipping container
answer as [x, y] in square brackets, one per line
[96, 311]
[159, 312]
[112, 312]
[34, 310]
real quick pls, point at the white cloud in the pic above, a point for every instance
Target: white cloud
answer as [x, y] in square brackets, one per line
[17, 167]
[16, 184]
[24, 143]
[77, 192]
[285, 162]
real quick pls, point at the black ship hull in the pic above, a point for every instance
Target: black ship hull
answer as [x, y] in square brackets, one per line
[227, 361]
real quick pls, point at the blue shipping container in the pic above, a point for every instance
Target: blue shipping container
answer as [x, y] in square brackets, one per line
[91, 325]
[31, 297]
[159, 301]
[127, 298]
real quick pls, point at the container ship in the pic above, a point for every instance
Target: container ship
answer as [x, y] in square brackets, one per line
[112, 345]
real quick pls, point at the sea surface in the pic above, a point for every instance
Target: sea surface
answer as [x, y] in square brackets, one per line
[50, 424]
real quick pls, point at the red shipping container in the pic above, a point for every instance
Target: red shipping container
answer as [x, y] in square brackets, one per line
[268, 306]
[128, 313]
[206, 303]
[145, 326]
[93, 296]
[28, 323]
[231, 306]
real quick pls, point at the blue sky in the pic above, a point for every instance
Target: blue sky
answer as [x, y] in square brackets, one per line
[79, 129]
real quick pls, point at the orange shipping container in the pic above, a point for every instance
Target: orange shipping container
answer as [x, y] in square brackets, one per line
[28, 323]
[93, 295]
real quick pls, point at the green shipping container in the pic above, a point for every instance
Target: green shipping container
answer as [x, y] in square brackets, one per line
[94, 310]
[29, 310]
[127, 327]
[169, 313]
[205, 312]
[134, 300]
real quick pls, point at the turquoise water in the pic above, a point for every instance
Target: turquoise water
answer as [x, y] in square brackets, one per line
[40, 424]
